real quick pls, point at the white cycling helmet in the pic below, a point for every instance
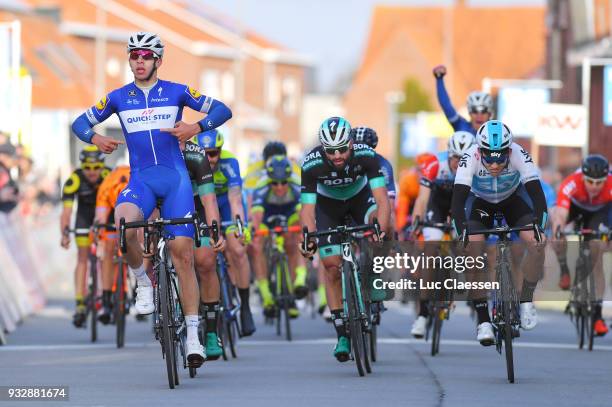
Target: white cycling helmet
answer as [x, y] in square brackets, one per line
[459, 143]
[480, 102]
[146, 40]
[335, 132]
[494, 136]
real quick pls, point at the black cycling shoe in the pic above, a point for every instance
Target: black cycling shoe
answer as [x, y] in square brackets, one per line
[247, 324]
[300, 291]
[106, 315]
[79, 318]
[270, 311]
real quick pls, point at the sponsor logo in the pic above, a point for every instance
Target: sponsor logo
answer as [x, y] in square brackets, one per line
[101, 105]
[338, 181]
[159, 99]
[148, 115]
[526, 156]
[210, 124]
[482, 213]
[496, 155]
[346, 251]
[159, 91]
[312, 156]
[569, 188]
[132, 93]
[193, 93]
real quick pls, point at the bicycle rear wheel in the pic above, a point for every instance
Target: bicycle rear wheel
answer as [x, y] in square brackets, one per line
[93, 297]
[166, 335]
[437, 331]
[507, 337]
[284, 270]
[120, 304]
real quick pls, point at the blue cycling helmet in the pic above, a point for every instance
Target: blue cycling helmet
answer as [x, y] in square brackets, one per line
[278, 168]
[365, 135]
[494, 136]
[209, 139]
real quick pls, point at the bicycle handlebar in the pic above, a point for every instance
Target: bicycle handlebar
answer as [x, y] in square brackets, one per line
[343, 230]
[158, 224]
[278, 230]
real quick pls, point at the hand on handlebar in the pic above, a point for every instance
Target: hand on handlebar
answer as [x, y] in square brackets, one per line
[308, 250]
[219, 244]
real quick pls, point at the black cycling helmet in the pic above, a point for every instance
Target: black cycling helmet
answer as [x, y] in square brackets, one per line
[274, 148]
[278, 168]
[91, 154]
[365, 135]
[595, 166]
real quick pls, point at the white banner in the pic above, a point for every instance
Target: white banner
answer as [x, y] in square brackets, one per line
[561, 125]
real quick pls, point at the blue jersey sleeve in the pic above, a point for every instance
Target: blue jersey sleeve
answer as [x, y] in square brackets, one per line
[387, 171]
[549, 194]
[458, 122]
[83, 125]
[217, 112]
[232, 172]
[259, 197]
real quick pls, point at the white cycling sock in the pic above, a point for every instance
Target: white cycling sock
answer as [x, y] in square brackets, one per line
[141, 275]
[192, 322]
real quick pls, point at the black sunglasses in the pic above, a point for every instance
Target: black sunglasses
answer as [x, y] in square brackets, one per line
[332, 150]
[277, 183]
[212, 153]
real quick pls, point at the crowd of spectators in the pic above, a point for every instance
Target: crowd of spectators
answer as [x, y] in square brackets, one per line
[21, 187]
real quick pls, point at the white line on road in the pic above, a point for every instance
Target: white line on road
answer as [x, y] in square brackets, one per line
[324, 341]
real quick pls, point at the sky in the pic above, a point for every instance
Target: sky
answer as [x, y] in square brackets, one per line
[333, 33]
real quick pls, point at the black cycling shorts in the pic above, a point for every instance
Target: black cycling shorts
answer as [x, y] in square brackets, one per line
[517, 210]
[591, 219]
[331, 213]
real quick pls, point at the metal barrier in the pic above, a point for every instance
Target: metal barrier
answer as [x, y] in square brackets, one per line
[21, 287]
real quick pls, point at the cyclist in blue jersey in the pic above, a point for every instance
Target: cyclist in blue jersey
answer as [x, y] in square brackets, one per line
[479, 104]
[150, 112]
[228, 188]
[369, 137]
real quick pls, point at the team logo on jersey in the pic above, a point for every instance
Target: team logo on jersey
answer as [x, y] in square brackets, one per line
[132, 93]
[193, 93]
[101, 105]
[206, 140]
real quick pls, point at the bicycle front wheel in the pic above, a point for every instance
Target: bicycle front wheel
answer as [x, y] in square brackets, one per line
[120, 304]
[437, 331]
[507, 337]
[166, 334]
[93, 298]
[357, 344]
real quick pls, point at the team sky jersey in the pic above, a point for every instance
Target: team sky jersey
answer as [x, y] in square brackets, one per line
[472, 172]
[112, 186]
[458, 122]
[387, 171]
[143, 112]
[319, 176]
[78, 186]
[199, 170]
[436, 173]
[573, 191]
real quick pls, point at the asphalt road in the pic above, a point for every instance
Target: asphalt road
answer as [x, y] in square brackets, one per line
[269, 371]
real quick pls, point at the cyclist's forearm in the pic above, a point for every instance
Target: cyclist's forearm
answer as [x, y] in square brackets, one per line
[83, 129]
[307, 217]
[534, 189]
[101, 214]
[209, 202]
[444, 100]
[65, 218]
[235, 200]
[382, 202]
[256, 218]
[218, 114]
[420, 205]
[460, 195]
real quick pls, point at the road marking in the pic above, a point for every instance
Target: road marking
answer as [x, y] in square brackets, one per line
[323, 341]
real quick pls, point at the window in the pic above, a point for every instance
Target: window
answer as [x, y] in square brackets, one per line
[210, 83]
[228, 87]
[290, 90]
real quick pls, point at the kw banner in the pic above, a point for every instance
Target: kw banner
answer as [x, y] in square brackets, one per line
[561, 125]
